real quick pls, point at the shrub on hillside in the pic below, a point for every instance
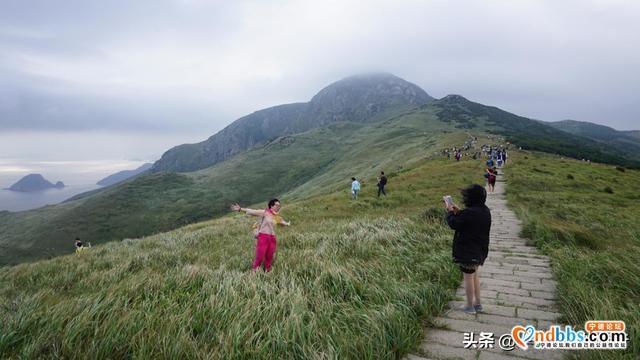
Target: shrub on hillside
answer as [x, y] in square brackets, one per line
[542, 171]
[608, 190]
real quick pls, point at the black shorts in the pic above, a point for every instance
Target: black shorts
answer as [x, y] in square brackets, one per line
[468, 268]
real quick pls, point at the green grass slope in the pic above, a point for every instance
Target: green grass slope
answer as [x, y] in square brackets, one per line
[585, 216]
[159, 202]
[351, 279]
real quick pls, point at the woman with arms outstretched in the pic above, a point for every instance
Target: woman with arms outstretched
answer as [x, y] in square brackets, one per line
[266, 237]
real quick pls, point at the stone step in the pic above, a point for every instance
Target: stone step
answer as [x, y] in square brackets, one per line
[491, 309]
[471, 325]
[415, 357]
[439, 351]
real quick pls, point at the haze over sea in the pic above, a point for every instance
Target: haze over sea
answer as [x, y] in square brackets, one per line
[78, 177]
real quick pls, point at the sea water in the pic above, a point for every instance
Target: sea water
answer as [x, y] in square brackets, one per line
[19, 201]
[77, 176]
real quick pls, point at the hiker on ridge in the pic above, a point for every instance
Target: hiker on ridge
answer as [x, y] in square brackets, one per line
[491, 175]
[382, 181]
[80, 246]
[490, 162]
[471, 241]
[355, 188]
[266, 235]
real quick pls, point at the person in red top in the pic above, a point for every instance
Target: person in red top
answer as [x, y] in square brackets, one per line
[266, 239]
[491, 178]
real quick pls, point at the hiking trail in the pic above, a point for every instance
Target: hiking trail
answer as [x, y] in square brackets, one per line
[517, 289]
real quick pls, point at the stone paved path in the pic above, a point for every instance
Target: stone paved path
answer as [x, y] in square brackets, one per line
[517, 289]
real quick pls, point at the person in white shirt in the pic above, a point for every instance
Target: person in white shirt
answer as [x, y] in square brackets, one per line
[355, 188]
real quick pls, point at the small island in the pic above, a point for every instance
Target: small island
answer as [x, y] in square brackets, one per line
[34, 182]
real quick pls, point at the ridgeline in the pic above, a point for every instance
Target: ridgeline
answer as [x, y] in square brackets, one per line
[352, 279]
[356, 125]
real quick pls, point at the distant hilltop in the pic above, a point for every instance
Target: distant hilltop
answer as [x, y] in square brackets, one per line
[123, 175]
[34, 182]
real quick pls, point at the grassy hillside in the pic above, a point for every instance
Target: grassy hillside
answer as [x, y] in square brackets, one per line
[623, 141]
[530, 134]
[351, 279]
[585, 216]
[159, 202]
[305, 164]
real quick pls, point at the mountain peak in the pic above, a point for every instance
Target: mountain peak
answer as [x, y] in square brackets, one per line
[359, 98]
[383, 88]
[454, 99]
[124, 175]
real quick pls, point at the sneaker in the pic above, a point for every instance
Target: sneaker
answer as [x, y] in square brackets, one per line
[468, 309]
[478, 308]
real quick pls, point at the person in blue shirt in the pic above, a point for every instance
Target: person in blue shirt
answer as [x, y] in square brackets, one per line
[355, 188]
[490, 162]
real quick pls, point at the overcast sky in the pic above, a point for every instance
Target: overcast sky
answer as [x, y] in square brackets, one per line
[126, 80]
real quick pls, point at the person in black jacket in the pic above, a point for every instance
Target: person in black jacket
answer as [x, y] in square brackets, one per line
[471, 240]
[382, 181]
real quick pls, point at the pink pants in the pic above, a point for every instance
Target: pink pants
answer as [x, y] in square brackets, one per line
[265, 249]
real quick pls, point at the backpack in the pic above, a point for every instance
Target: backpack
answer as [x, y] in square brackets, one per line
[255, 228]
[383, 180]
